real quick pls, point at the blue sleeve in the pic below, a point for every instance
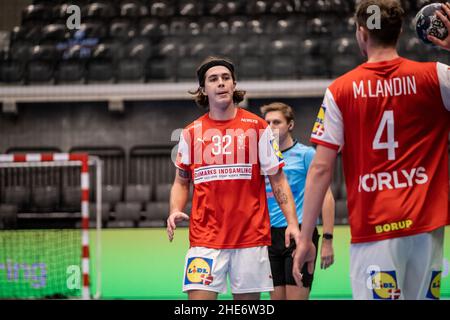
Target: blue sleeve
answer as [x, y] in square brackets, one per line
[309, 155]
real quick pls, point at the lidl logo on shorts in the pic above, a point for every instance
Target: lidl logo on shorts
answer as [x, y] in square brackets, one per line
[198, 271]
[384, 285]
[319, 128]
[434, 290]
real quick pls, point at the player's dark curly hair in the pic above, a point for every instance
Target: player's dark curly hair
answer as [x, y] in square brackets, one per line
[201, 99]
[391, 20]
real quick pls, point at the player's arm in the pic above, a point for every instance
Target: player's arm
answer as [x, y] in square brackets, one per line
[285, 199]
[179, 196]
[317, 183]
[445, 43]
[328, 212]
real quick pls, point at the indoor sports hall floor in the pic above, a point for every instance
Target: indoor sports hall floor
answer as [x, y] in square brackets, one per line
[142, 264]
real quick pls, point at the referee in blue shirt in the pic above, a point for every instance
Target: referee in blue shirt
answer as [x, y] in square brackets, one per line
[297, 159]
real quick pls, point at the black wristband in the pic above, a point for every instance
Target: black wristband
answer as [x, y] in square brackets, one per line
[328, 236]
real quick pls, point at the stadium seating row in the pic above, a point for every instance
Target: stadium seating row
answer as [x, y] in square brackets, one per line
[114, 213]
[125, 215]
[51, 198]
[144, 41]
[149, 175]
[165, 69]
[178, 47]
[152, 28]
[49, 10]
[172, 60]
[56, 9]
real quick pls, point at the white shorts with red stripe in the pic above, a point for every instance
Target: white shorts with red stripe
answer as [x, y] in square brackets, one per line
[248, 269]
[401, 268]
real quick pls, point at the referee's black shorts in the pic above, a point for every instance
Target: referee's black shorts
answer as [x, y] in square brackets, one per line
[281, 259]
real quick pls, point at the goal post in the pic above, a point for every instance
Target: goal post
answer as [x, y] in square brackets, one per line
[31, 263]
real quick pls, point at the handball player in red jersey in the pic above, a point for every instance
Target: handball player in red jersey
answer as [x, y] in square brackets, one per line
[225, 154]
[389, 117]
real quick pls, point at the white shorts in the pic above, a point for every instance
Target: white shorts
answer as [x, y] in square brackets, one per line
[402, 268]
[248, 268]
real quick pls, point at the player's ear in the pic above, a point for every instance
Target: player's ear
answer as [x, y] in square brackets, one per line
[202, 90]
[291, 125]
[364, 34]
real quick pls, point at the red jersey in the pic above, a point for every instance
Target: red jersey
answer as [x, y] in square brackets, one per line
[391, 121]
[227, 161]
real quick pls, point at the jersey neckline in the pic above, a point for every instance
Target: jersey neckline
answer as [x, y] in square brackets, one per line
[238, 113]
[293, 145]
[382, 64]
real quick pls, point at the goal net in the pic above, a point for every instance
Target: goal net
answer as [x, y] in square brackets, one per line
[46, 245]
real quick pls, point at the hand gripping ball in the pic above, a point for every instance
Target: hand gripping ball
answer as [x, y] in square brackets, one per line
[427, 23]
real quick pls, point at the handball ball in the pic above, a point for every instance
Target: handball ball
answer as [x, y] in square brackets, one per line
[427, 23]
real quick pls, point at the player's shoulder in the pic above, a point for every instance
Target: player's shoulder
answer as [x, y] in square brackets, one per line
[249, 117]
[345, 82]
[413, 66]
[349, 76]
[303, 153]
[302, 150]
[301, 147]
[197, 122]
[306, 150]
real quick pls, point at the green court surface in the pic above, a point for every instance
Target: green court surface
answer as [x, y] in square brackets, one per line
[136, 264]
[143, 264]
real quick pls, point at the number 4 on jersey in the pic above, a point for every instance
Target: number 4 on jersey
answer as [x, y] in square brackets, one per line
[391, 144]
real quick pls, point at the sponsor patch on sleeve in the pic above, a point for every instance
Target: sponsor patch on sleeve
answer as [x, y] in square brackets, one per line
[319, 129]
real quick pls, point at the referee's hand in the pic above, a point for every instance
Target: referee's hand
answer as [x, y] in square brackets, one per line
[326, 254]
[172, 220]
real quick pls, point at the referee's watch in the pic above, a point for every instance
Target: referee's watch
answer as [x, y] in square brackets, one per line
[328, 236]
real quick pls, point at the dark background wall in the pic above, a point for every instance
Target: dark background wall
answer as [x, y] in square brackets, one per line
[67, 125]
[10, 13]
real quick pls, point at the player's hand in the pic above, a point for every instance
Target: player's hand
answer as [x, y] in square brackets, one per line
[172, 220]
[445, 43]
[304, 253]
[326, 254]
[292, 232]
